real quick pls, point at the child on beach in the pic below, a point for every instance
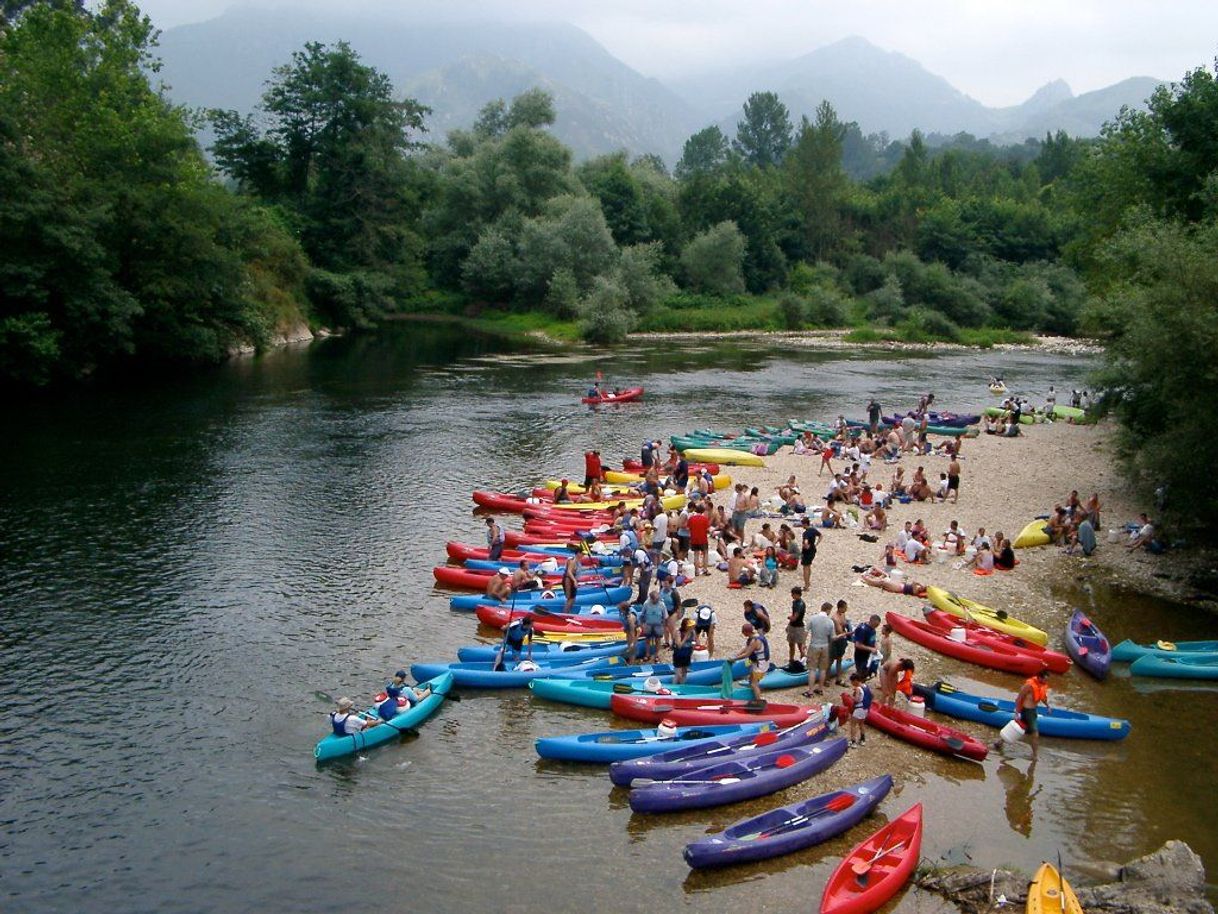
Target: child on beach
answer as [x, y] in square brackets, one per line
[860, 696]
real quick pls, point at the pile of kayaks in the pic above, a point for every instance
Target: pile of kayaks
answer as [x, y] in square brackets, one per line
[1170, 660]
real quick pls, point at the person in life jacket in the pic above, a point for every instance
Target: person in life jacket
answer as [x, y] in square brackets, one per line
[705, 621]
[756, 651]
[397, 688]
[347, 722]
[1035, 692]
[515, 636]
[860, 694]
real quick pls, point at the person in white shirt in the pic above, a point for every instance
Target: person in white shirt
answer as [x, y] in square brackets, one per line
[982, 540]
[659, 535]
[904, 535]
[914, 550]
[953, 539]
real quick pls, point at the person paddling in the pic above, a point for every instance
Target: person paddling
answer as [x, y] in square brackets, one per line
[515, 637]
[397, 688]
[346, 722]
[1035, 692]
[757, 651]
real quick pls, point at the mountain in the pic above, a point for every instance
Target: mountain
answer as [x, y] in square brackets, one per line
[453, 66]
[1080, 115]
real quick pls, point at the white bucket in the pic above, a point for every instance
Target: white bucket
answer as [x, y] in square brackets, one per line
[941, 556]
[700, 654]
[917, 707]
[958, 634]
[687, 569]
[1114, 535]
[1012, 732]
[969, 552]
[895, 574]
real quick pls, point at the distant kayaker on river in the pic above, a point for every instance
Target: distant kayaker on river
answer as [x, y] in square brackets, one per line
[1035, 692]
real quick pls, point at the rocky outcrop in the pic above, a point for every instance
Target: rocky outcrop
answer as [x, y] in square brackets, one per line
[1169, 881]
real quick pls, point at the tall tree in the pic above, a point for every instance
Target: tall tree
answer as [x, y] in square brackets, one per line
[764, 136]
[705, 152]
[816, 182]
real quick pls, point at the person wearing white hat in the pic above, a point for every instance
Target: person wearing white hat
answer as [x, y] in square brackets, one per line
[499, 585]
[345, 720]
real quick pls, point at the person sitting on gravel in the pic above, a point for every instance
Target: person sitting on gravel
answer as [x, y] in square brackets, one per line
[877, 518]
[739, 570]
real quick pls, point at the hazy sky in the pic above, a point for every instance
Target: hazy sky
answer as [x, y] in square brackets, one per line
[998, 51]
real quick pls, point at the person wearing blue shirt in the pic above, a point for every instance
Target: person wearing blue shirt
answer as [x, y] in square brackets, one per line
[653, 613]
[864, 638]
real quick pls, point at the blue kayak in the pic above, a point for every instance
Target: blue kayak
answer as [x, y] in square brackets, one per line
[1127, 651]
[789, 828]
[334, 746]
[620, 745]
[533, 599]
[548, 650]
[703, 672]
[485, 676]
[998, 712]
[594, 693]
[779, 678]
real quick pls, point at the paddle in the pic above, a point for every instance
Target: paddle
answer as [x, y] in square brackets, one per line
[727, 682]
[1061, 881]
[988, 706]
[862, 869]
[836, 805]
[786, 760]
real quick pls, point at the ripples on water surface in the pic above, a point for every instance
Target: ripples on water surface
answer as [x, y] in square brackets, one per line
[192, 572]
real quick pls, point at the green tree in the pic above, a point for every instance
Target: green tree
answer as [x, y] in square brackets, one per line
[714, 260]
[816, 183]
[764, 136]
[705, 152]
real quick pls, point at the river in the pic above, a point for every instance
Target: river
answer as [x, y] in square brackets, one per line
[192, 569]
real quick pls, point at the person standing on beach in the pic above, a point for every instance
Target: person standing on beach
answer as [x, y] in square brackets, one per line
[873, 415]
[864, 638]
[841, 637]
[953, 478]
[699, 541]
[797, 634]
[757, 651]
[807, 549]
[820, 634]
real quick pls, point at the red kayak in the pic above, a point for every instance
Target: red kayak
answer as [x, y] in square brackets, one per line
[876, 869]
[1056, 661]
[622, 396]
[477, 578]
[463, 551]
[925, 733]
[582, 521]
[526, 538]
[498, 616]
[691, 712]
[636, 466]
[984, 653]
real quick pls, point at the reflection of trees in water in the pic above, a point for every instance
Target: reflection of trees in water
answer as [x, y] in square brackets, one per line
[1018, 787]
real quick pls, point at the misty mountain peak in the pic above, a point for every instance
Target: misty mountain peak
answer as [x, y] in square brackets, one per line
[1048, 95]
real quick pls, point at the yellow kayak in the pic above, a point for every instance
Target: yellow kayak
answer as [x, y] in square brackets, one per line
[618, 477]
[1032, 535]
[724, 455]
[997, 619]
[669, 502]
[576, 489]
[1049, 893]
[580, 637]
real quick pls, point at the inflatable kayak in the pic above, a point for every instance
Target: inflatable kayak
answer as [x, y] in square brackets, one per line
[1049, 893]
[623, 745]
[1128, 651]
[1032, 535]
[926, 733]
[536, 599]
[596, 693]
[701, 672]
[993, 655]
[997, 712]
[1054, 661]
[996, 619]
[334, 746]
[499, 616]
[689, 711]
[629, 395]
[485, 676]
[779, 678]
[1067, 412]
[731, 782]
[789, 828]
[875, 870]
[547, 650]
[675, 762]
[1202, 666]
[1087, 645]
[725, 456]
[477, 578]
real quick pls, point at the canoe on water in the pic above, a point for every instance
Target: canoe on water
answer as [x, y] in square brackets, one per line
[547, 650]
[624, 745]
[997, 712]
[629, 395]
[1054, 661]
[334, 746]
[1049, 893]
[731, 782]
[534, 553]
[536, 599]
[675, 762]
[725, 456]
[875, 870]
[1087, 646]
[997, 619]
[497, 616]
[789, 828]
[1202, 666]
[594, 693]
[690, 711]
[701, 672]
[485, 676]
[926, 733]
[996, 656]
[1128, 651]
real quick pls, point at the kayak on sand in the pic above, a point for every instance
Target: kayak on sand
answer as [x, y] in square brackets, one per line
[997, 619]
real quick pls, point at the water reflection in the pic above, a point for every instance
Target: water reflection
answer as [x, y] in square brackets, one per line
[1018, 786]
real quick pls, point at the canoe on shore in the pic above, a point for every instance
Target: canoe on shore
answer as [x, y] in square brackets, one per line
[875, 870]
[689, 711]
[1032, 535]
[1201, 666]
[996, 656]
[1087, 645]
[998, 712]
[926, 733]
[789, 828]
[1054, 661]
[1049, 893]
[485, 676]
[997, 619]
[725, 456]
[334, 746]
[594, 693]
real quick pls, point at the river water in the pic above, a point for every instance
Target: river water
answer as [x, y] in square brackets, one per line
[190, 571]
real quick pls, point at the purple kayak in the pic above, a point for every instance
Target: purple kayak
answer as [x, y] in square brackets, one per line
[1087, 646]
[676, 762]
[730, 782]
[789, 828]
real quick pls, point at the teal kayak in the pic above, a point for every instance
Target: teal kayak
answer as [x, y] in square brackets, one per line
[598, 694]
[779, 678]
[702, 672]
[334, 746]
[1128, 651]
[621, 745]
[1202, 666]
